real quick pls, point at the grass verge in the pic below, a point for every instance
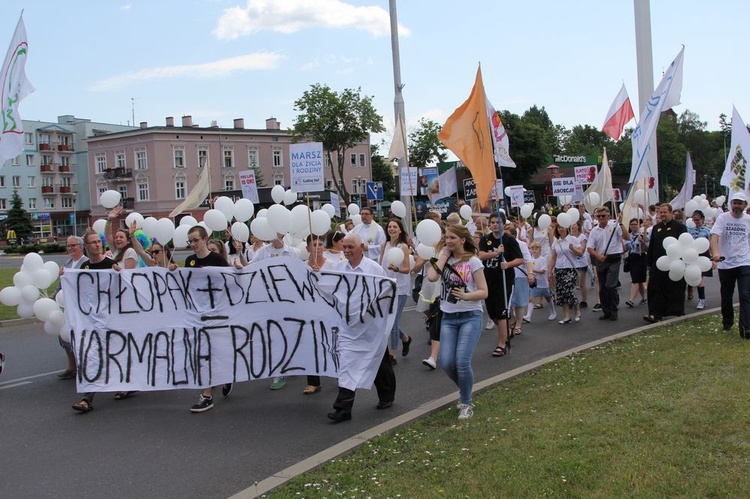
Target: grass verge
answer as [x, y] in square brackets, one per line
[6, 279]
[658, 414]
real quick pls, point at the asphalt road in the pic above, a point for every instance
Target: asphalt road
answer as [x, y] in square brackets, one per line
[152, 446]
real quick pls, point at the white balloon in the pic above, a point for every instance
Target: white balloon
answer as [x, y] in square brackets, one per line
[43, 279]
[240, 232]
[690, 207]
[290, 197]
[279, 218]
[465, 212]
[134, 217]
[508, 191]
[693, 281]
[51, 329]
[262, 213]
[110, 199]
[668, 241]
[29, 293]
[25, 310]
[65, 333]
[704, 263]
[356, 219]
[565, 199]
[689, 223]
[60, 299]
[99, 226]
[150, 227]
[701, 245]
[52, 268]
[33, 262]
[693, 272]
[689, 255]
[10, 296]
[563, 220]
[399, 209]
[180, 236]
[329, 208]
[677, 266]
[215, 220]
[226, 206]
[189, 221]
[593, 199]
[22, 278]
[395, 256]
[574, 215]
[685, 240]
[544, 222]
[243, 210]
[663, 263]
[526, 210]
[703, 203]
[43, 307]
[720, 200]
[675, 251]
[277, 194]
[321, 222]
[425, 252]
[640, 197]
[429, 233]
[262, 229]
[300, 219]
[352, 209]
[164, 230]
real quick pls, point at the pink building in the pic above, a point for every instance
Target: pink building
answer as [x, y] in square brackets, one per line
[156, 167]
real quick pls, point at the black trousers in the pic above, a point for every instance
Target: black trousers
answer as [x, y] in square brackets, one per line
[385, 384]
[608, 274]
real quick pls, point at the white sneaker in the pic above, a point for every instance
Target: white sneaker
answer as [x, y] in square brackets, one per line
[490, 324]
[552, 316]
[465, 411]
[430, 362]
[701, 304]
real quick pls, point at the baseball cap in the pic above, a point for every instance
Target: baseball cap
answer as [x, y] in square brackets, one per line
[738, 196]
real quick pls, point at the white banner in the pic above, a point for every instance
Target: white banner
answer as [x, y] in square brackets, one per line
[585, 174]
[306, 166]
[516, 196]
[155, 329]
[336, 204]
[249, 186]
[563, 186]
[408, 181]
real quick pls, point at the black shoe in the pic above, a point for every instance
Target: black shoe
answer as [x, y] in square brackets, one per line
[613, 317]
[606, 316]
[583, 304]
[226, 390]
[405, 345]
[727, 327]
[339, 416]
[383, 404]
[393, 360]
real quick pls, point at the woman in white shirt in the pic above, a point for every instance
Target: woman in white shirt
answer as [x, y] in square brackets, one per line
[563, 256]
[397, 239]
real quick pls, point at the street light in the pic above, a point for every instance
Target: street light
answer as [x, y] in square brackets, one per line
[75, 221]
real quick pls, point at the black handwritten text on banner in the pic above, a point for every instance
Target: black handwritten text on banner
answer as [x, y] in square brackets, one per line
[154, 329]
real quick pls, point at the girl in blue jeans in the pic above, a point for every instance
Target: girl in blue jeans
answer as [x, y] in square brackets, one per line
[463, 289]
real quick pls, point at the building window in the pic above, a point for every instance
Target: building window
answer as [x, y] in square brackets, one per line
[277, 159]
[229, 182]
[252, 158]
[29, 138]
[228, 157]
[202, 157]
[141, 163]
[278, 181]
[66, 203]
[179, 157]
[353, 160]
[329, 185]
[123, 190]
[355, 186]
[180, 187]
[362, 161]
[3, 204]
[32, 181]
[65, 182]
[29, 160]
[32, 203]
[100, 189]
[119, 159]
[142, 190]
[15, 161]
[101, 163]
[2, 181]
[64, 161]
[16, 181]
[47, 182]
[46, 159]
[49, 203]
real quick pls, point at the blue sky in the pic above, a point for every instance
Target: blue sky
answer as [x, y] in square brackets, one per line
[225, 59]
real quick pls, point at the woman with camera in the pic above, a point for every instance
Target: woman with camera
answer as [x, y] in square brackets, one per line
[463, 289]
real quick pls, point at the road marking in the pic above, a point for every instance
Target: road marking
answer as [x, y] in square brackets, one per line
[3, 383]
[17, 384]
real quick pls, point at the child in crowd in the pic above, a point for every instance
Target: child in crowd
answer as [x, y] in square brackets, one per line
[542, 283]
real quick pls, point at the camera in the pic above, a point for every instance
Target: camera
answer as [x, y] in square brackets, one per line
[451, 298]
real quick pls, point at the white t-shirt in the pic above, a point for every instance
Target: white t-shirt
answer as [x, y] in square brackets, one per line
[403, 280]
[527, 258]
[465, 270]
[582, 239]
[734, 239]
[268, 251]
[542, 280]
[565, 258]
[334, 257]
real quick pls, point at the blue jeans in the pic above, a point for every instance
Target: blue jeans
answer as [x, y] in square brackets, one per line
[459, 335]
[396, 332]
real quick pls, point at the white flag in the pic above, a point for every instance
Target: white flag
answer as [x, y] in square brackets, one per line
[686, 193]
[666, 96]
[15, 86]
[735, 173]
[601, 185]
[197, 194]
[499, 138]
[447, 184]
[398, 145]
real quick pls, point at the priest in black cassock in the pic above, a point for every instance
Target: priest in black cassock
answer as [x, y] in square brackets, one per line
[665, 296]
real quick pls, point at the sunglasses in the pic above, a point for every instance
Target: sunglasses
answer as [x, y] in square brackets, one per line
[155, 252]
[602, 216]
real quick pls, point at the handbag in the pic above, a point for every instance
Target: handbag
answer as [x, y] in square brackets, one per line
[626, 264]
[417, 287]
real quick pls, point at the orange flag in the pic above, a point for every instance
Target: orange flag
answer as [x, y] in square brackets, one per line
[467, 134]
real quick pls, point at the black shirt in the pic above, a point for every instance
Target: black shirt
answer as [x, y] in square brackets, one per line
[511, 251]
[105, 264]
[211, 260]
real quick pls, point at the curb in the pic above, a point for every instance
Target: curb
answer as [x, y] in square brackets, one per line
[19, 322]
[266, 485]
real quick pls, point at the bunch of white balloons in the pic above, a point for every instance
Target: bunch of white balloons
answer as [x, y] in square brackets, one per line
[683, 258]
[217, 218]
[701, 203]
[29, 294]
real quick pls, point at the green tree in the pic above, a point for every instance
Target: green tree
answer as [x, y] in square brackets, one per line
[531, 138]
[424, 146]
[338, 120]
[381, 170]
[260, 182]
[586, 140]
[18, 219]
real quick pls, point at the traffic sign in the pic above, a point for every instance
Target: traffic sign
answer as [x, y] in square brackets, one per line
[374, 191]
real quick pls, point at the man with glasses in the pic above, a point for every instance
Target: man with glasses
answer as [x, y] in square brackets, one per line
[605, 248]
[730, 248]
[77, 258]
[372, 234]
[665, 296]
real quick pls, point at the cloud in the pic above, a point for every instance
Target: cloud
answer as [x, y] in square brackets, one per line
[126, 6]
[290, 16]
[214, 69]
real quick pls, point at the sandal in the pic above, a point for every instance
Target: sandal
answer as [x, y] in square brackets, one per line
[124, 395]
[67, 375]
[517, 331]
[538, 306]
[310, 389]
[499, 351]
[565, 321]
[83, 406]
[651, 319]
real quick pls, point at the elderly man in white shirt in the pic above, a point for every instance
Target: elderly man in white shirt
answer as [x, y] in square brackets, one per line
[371, 233]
